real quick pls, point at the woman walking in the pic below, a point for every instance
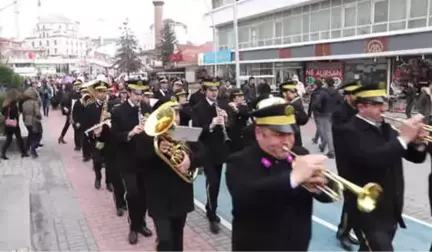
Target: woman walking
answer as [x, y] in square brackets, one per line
[11, 113]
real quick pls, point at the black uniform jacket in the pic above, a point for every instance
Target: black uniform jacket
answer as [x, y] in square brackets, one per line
[196, 97]
[268, 214]
[340, 118]
[237, 120]
[374, 155]
[92, 114]
[215, 147]
[123, 119]
[78, 113]
[167, 194]
[301, 119]
[162, 94]
[185, 114]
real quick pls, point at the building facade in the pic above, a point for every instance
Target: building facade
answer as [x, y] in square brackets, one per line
[345, 39]
[59, 36]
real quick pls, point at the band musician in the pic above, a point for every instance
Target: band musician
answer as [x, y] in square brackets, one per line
[169, 197]
[373, 151]
[289, 93]
[271, 210]
[239, 114]
[342, 115]
[126, 125]
[213, 120]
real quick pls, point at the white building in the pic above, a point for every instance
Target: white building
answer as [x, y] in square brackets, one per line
[180, 29]
[59, 35]
[346, 39]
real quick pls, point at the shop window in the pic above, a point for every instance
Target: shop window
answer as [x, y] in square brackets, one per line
[418, 8]
[380, 11]
[397, 10]
[349, 16]
[364, 14]
[411, 69]
[336, 18]
[366, 70]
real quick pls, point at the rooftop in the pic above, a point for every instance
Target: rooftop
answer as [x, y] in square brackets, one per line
[55, 18]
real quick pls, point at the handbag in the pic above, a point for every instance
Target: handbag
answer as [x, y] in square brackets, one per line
[10, 122]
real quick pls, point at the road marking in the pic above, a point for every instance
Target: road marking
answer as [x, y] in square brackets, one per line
[417, 220]
[228, 225]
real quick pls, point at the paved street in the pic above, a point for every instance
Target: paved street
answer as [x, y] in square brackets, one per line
[67, 213]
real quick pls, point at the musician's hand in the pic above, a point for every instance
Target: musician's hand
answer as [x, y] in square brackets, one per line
[136, 130]
[233, 105]
[97, 131]
[421, 136]
[184, 166]
[108, 123]
[317, 180]
[410, 129]
[164, 146]
[223, 113]
[306, 167]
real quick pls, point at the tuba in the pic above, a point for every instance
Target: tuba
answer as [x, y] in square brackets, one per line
[159, 124]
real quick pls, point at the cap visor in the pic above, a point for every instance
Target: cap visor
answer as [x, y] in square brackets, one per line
[282, 128]
[379, 99]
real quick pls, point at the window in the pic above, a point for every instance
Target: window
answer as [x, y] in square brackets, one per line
[380, 11]
[336, 18]
[265, 31]
[55, 42]
[33, 44]
[243, 33]
[364, 14]
[55, 50]
[349, 16]
[397, 9]
[418, 8]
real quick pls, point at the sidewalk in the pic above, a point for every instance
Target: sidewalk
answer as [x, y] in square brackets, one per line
[68, 214]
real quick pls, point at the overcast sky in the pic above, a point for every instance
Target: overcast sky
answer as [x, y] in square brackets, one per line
[103, 17]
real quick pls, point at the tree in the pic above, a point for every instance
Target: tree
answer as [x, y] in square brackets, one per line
[167, 43]
[127, 55]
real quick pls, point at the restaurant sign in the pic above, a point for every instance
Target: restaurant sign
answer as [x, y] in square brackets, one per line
[316, 71]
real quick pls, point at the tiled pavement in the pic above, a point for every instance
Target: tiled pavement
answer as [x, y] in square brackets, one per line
[68, 214]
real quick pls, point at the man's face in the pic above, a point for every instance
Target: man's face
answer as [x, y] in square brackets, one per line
[274, 142]
[123, 95]
[212, 93]
[182, 99]
[135, 96]
[177, 86]
[121, 86]
[239, 99]
[164, 85]
[372, 111]
[101, 94]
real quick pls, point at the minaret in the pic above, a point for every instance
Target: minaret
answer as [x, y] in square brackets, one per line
[16, 15]
[158, 20]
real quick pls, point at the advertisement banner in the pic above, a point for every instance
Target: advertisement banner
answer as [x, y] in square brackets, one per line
[218, 57]
[316, 71]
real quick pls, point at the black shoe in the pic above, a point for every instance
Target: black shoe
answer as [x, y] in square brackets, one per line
[97, 184]
[86, 159]
[321, 147]
[34, 154]
[145, 231]
[109, 187]
[4, 157]
[353, 239]
[133, 237]
[120, 212]
[77, 149]
[346, 241]
[25, 155]
[214, 227]
[330, 155]
[315, 141]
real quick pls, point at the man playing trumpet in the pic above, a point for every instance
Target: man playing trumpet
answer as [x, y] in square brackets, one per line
[271, 210]
[373, 151]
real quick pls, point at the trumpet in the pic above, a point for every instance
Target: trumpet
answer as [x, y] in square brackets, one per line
[96, 126]
[224, 131]
[367, 196]
[426, 127]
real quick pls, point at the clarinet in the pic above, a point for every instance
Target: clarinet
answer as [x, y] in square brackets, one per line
[225, 134]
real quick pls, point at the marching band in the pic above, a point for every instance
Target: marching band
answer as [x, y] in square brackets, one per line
[271, 178]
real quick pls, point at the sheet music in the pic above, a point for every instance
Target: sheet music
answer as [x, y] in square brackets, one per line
[186, 134]
[153, 101]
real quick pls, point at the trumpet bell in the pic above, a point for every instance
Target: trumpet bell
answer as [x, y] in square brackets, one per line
[368, 198]
[160, 121]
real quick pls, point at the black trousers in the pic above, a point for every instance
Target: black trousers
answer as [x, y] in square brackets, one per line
[65, 127]
[170, 233]
[213, 178]
[78, 137]
[135, 199]
[98, 160]
[376, 240]
[86, 147]
[345, 224]
[116, 180]
[33, 139]
[10, 132]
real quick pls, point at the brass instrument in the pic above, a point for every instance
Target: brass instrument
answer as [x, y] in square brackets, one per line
[87, 99]
[159, 124]
[224, 130]
[105, 115]
[426, 127]
[367, 196]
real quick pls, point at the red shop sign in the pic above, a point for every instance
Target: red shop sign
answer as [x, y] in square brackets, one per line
[321, 70]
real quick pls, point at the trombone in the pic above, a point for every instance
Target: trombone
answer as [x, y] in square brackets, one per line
[367, 196]
[426, 127]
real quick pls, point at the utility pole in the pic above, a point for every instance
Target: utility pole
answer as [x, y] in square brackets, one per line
[16, 12]
[237, 53]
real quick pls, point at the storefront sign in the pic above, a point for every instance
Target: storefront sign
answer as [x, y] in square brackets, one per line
[322, 50]
[176, 57]
[217, 57]
[316, 71]
[376, 45]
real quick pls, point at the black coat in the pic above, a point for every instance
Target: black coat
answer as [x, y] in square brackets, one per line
[216, 148]
[375, 155]
[301, 119]
[238, 120]
[340, 118]
[167, 195]
[123, 119]
[268, 215]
